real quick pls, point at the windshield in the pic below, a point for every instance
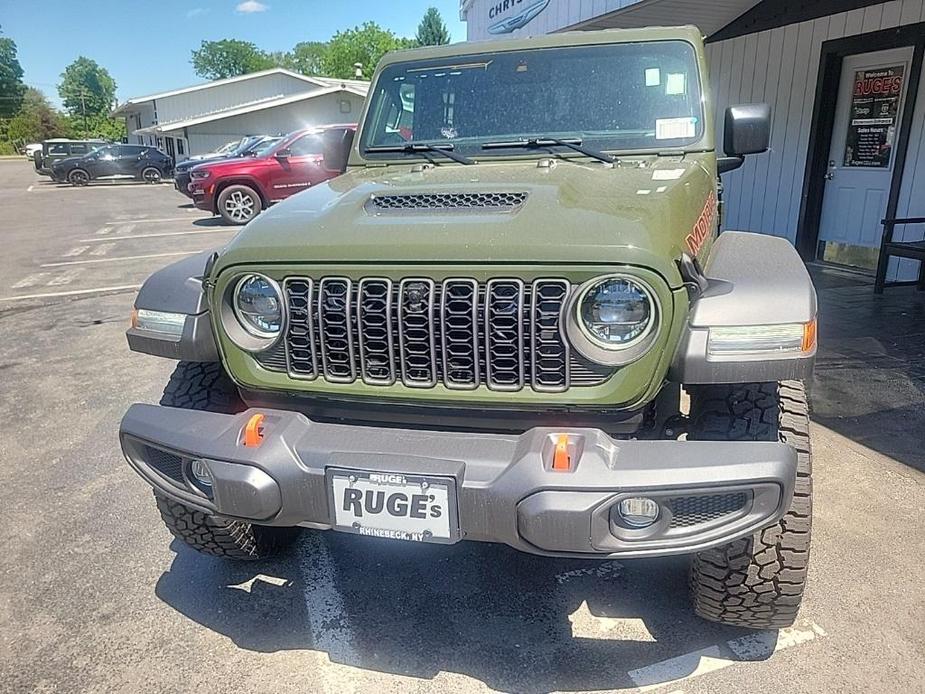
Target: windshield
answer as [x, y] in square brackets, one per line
[627, 96]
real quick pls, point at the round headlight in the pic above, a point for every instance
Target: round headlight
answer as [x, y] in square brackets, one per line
[616, 312]
[258, 306]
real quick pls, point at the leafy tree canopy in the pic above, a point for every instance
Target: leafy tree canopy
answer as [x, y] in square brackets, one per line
[37, 120]
[432, 31]
[12, 88]
[86, 88]
[215, 60]
[364, 44]
[308, 57]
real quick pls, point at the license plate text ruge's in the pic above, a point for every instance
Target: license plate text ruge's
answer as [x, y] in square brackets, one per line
[396, 504]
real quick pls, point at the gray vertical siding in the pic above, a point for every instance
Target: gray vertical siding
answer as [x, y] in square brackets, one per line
[780, 66]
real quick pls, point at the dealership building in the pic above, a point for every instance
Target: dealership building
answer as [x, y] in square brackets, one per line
[835, 169]
[201, 118]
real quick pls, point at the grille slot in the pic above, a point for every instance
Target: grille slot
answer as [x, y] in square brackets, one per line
[694, 510]
[449, 201]
[550, 361]
[300, 335]
[374, 321]
[335, 316]
[459, 314]
[416, 333]
[502, 334]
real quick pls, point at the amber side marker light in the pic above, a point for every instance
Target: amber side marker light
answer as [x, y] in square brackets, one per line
[809, 336]
[561, 461]
[253, 431]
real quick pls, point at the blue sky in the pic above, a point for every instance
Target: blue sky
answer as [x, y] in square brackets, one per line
[146, 44]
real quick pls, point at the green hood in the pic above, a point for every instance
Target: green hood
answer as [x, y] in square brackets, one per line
[576, 212]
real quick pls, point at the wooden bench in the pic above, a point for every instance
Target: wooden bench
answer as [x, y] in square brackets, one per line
[899, 249]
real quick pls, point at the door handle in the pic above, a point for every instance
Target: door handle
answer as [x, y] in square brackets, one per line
[829, 175]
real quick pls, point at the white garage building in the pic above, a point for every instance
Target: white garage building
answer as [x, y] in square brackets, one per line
[831, 175]
[198, 119]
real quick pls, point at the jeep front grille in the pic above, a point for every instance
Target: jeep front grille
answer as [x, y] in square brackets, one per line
[504, 334]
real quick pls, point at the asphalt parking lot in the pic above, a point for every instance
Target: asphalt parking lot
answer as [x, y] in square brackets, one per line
[94, 596]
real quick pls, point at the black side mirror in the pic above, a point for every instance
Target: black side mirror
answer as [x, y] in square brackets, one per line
[337, 144]
[283, 153]
[747, 130]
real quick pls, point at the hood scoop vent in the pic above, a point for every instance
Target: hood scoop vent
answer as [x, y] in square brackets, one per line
[439, 202]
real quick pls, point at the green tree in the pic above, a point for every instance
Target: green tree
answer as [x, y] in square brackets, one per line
[432, 31]
[37, 120]
[87, 89]
[12, 88]
[103, 127]
[308, 57]
[364, 44]
[215, 60]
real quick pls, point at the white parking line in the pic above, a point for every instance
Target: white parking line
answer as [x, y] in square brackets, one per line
[31, 280]
[162, 234]
[758, 646]
[29, 189]
[165, 219]
[114, 260]
[77, 250]
[73, 292]
[65, 277]
[324, 605]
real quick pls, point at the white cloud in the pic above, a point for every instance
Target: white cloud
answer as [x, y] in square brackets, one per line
[251, 6]
[196, 12]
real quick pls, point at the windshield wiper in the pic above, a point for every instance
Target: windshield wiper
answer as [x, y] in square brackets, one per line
[422, 148]
[540, 142]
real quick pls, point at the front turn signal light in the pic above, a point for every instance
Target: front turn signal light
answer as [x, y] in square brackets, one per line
[253, 431]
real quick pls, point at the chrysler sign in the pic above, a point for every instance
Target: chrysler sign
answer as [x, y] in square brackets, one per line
[516, 21]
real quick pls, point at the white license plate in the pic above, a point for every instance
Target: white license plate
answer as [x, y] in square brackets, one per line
[393, 505]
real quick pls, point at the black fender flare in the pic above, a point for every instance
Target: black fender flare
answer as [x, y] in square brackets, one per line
[178, 288]
[752, 279]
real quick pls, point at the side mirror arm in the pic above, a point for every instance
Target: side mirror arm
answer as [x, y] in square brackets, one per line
[727, 164]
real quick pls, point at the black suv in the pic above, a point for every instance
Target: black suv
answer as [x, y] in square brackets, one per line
[247, 147]
[114, 161]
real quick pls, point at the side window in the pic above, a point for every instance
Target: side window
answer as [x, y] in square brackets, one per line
[58, 148]
[306, 146]
[79, 148]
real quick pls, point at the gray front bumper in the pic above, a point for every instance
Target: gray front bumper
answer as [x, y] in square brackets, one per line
[506, 489]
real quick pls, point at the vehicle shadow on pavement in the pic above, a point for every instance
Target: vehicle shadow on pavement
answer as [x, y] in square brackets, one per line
[212, 222]
[513, 621]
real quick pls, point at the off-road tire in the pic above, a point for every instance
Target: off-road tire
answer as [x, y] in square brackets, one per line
[206, 386]
[78, 177]
[757, 581]
[220, 537]
[239, 192]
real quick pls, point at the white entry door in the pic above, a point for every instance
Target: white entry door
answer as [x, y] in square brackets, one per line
[871, 96]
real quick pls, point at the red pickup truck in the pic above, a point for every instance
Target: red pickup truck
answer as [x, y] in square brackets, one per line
[238, 189]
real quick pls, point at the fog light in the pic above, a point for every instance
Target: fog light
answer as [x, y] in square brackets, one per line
[200, 472]
[637, 512]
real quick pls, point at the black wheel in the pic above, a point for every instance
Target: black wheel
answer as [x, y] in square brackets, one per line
[78, 177]
[239, 204]
[151, 174]
[757, 581]
[206, 386]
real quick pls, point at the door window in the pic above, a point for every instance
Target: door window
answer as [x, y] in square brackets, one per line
[306, 146]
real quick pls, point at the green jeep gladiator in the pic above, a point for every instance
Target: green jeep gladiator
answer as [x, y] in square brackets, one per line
[512, 319]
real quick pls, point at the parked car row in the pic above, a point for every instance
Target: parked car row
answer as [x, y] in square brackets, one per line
[236, 181]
